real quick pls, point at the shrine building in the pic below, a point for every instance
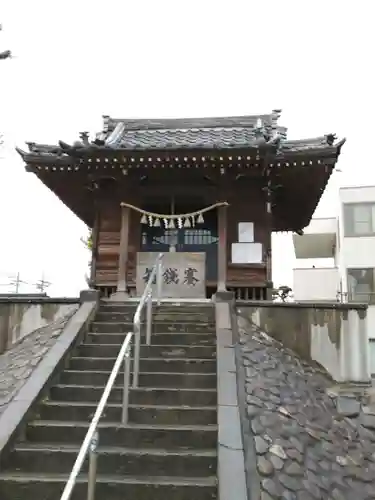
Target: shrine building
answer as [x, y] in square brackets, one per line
[208, 192]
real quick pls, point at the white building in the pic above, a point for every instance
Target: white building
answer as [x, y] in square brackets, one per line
[347, 246]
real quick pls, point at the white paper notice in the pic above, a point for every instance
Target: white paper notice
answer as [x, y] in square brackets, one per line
[246, 232]
[247, 253]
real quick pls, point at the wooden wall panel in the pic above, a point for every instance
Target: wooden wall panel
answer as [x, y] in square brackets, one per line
[108, 245]
[247, 207]
[134, 245]
[245, 275]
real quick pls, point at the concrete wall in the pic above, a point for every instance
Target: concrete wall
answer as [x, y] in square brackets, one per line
[371, 336]
[319, 283]
[333, 335]
[357, 194]
[360, 251]
[21, 316]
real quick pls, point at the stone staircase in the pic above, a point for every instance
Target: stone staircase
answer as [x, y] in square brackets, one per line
[168, 449]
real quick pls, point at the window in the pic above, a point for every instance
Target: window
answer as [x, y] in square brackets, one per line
[361, 286]
[359, 219]
[160, 237]
[199, 237]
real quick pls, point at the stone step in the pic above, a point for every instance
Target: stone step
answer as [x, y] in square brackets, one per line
[152, 351]
[165, 380]
[140, 396]
[179, 365]
[57, 459]
[156, 338]
[162, 327]
[191, 437]
[178, 307]
[18, 486]
[146, 415]
[158, 316]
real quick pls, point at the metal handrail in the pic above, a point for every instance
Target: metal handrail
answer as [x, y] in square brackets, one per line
[91, 441]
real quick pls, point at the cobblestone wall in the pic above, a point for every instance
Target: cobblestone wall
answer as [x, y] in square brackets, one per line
[17, 364]
[21, 316]
[310, 440]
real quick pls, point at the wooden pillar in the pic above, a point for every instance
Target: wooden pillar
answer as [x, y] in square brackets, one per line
[222, 259]
[268, 252]
[122, 292]
[94, 249]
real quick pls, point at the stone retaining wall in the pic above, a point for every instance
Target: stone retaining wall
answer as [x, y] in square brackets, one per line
[18, 363]
[19, 316]
[333, 335]
[302, 440]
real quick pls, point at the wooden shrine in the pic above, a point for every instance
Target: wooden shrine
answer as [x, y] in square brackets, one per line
[217, 187]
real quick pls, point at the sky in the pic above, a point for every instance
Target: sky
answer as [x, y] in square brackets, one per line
[75, 61]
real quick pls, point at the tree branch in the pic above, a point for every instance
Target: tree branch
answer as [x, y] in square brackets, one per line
[6, 54]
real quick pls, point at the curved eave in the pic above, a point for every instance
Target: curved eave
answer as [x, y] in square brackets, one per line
[66, 154]
[302, 188]
[32, 159]
[80, 155]
[323, 151]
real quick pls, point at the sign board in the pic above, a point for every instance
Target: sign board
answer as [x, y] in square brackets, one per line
[183, 273]
[246, 232]
[247, 253]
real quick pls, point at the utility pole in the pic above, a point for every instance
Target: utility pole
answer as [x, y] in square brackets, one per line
[16, 282]
[42, 284]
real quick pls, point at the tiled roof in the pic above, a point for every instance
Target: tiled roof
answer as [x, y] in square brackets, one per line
[189, 134]
[209, 138]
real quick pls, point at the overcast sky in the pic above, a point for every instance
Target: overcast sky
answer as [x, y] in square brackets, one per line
[77, 60]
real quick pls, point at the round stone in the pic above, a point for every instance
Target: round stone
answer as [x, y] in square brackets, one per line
[256, 426]
[277, 462]
[261, 445]
[289, 482]
[252, 411]
[338, 495]
[265, 496]
[271, 487]
[312, 488]
[250, 373]
[277, 450]
[265, 467]
[295, 455]
[294, 469]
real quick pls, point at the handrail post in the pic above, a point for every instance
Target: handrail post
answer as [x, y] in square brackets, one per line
[125, 394]
[149, 318]
[137, 350]
[93, 465]
[159, 277]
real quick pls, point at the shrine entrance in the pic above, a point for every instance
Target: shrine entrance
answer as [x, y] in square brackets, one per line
[203, 237]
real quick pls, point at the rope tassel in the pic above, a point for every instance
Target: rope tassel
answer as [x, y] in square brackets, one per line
[183, 220]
